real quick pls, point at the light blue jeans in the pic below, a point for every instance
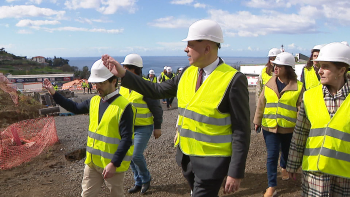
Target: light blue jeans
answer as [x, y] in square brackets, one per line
[138, 163]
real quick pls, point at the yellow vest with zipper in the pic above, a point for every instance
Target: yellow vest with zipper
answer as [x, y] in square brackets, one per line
[144, 116]
[264, 76]
[328, 145]
[104, 137]
[310, 78]
[203, 129]
[281, 111]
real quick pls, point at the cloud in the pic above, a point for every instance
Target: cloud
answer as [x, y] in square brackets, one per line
[23, 31]
[291, 46]
[181, 2]
[103, 6]
[246, 24]
[112, 31]
[9, 1]
[199, 5]
[172, 22]
[29, 23]
[36, 1]
[20, 11]
[6, 46]
[268, 3]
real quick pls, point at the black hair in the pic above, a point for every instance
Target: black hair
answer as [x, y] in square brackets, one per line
[138, 70]
[217, 44]
[112, 78]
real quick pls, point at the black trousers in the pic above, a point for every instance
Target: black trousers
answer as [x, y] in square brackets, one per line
[200, 188]
[169, 101]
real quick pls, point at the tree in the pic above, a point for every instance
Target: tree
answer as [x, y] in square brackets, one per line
[82, 74]
[66, 68]
[59, 62]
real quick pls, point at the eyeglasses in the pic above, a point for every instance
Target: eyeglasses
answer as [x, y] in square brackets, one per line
[272, 58]
[278, 66]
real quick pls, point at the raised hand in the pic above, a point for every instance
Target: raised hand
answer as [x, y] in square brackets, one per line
[47, 85]
[113, 65]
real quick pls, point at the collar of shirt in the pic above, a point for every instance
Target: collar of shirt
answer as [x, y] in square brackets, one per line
[343, 92]
[110, 95]
[209, 69]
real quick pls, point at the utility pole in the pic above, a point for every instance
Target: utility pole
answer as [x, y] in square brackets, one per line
[282, 49]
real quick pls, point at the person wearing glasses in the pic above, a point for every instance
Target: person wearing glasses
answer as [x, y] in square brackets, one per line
[110, 138]
[276, 114]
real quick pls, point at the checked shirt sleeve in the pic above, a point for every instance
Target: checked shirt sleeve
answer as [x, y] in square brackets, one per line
[297, 146]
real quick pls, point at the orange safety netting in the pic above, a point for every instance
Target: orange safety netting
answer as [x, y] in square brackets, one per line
[22, 141]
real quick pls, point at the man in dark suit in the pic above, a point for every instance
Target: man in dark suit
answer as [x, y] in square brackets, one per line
[214, 124]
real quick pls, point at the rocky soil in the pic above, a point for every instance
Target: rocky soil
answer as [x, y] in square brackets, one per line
[50, 174]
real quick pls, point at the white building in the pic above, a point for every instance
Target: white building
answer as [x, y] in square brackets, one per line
[39, 59]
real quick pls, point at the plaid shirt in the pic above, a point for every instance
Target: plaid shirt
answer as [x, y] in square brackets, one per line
[302, 127]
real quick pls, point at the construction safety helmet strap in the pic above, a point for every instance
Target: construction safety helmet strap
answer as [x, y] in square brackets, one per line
[133, 59]
[151, 72]
[285, 59]
[274, 52]
[334, 52]
[99, 72]
[205, 30]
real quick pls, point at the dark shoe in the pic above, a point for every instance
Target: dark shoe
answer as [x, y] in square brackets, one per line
[134, 189]
[145, 187]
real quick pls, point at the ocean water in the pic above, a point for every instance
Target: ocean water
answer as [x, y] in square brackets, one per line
[157, 63]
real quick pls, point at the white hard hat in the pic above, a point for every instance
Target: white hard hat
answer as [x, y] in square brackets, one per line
[151, 72]
[205, 30]
[133, 59]
[165, 67]
[318, 47]
[344, 42]
[180, 69]
[274, 52]
[168, 69]
[99, 73]
[285, 59]
[334, 52]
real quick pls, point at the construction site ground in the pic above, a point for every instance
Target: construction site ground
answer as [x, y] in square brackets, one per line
[50, 174]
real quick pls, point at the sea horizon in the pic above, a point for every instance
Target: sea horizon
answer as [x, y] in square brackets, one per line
[157, 63]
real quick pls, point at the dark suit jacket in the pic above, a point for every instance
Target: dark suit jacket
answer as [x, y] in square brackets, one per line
[235, 101]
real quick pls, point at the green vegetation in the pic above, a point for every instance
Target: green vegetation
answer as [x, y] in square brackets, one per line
[17, 65]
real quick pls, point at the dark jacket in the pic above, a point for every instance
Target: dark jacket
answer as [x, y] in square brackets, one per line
[235, 101]
[125, 125]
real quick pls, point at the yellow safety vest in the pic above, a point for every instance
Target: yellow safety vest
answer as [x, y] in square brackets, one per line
[264, 76]
[144, 116]
[327, 147]
[310, 78]
[55, 87]
[104, 137]
[203, 129]
[281, 111]
[154, 79]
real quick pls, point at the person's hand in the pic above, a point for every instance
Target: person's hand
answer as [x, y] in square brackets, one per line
[232, 185]
[157, 133]
[109, 171]
[47, 85]
[292, 175]
[175, 137]
[113, 65]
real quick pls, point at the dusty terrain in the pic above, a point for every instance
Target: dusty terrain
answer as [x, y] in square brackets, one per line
[50, 174]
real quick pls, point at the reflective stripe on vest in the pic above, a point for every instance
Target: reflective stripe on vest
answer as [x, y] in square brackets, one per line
[281, 111]
[327, 147]
[203, 129]
[264, 76]
[104, 137]
[144, 116]
[310, 78]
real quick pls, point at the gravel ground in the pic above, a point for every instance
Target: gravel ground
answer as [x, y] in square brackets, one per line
[50, 174]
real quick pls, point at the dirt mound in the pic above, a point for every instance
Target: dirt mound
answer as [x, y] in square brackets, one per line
[10, 112]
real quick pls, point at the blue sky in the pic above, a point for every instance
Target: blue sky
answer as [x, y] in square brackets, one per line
[85, 28]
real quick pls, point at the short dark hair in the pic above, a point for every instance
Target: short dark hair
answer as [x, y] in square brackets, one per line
[138, 70]
[217, 44]
[112, 78]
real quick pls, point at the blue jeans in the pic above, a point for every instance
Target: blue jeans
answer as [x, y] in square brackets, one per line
[138, 162]
[274, 143]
